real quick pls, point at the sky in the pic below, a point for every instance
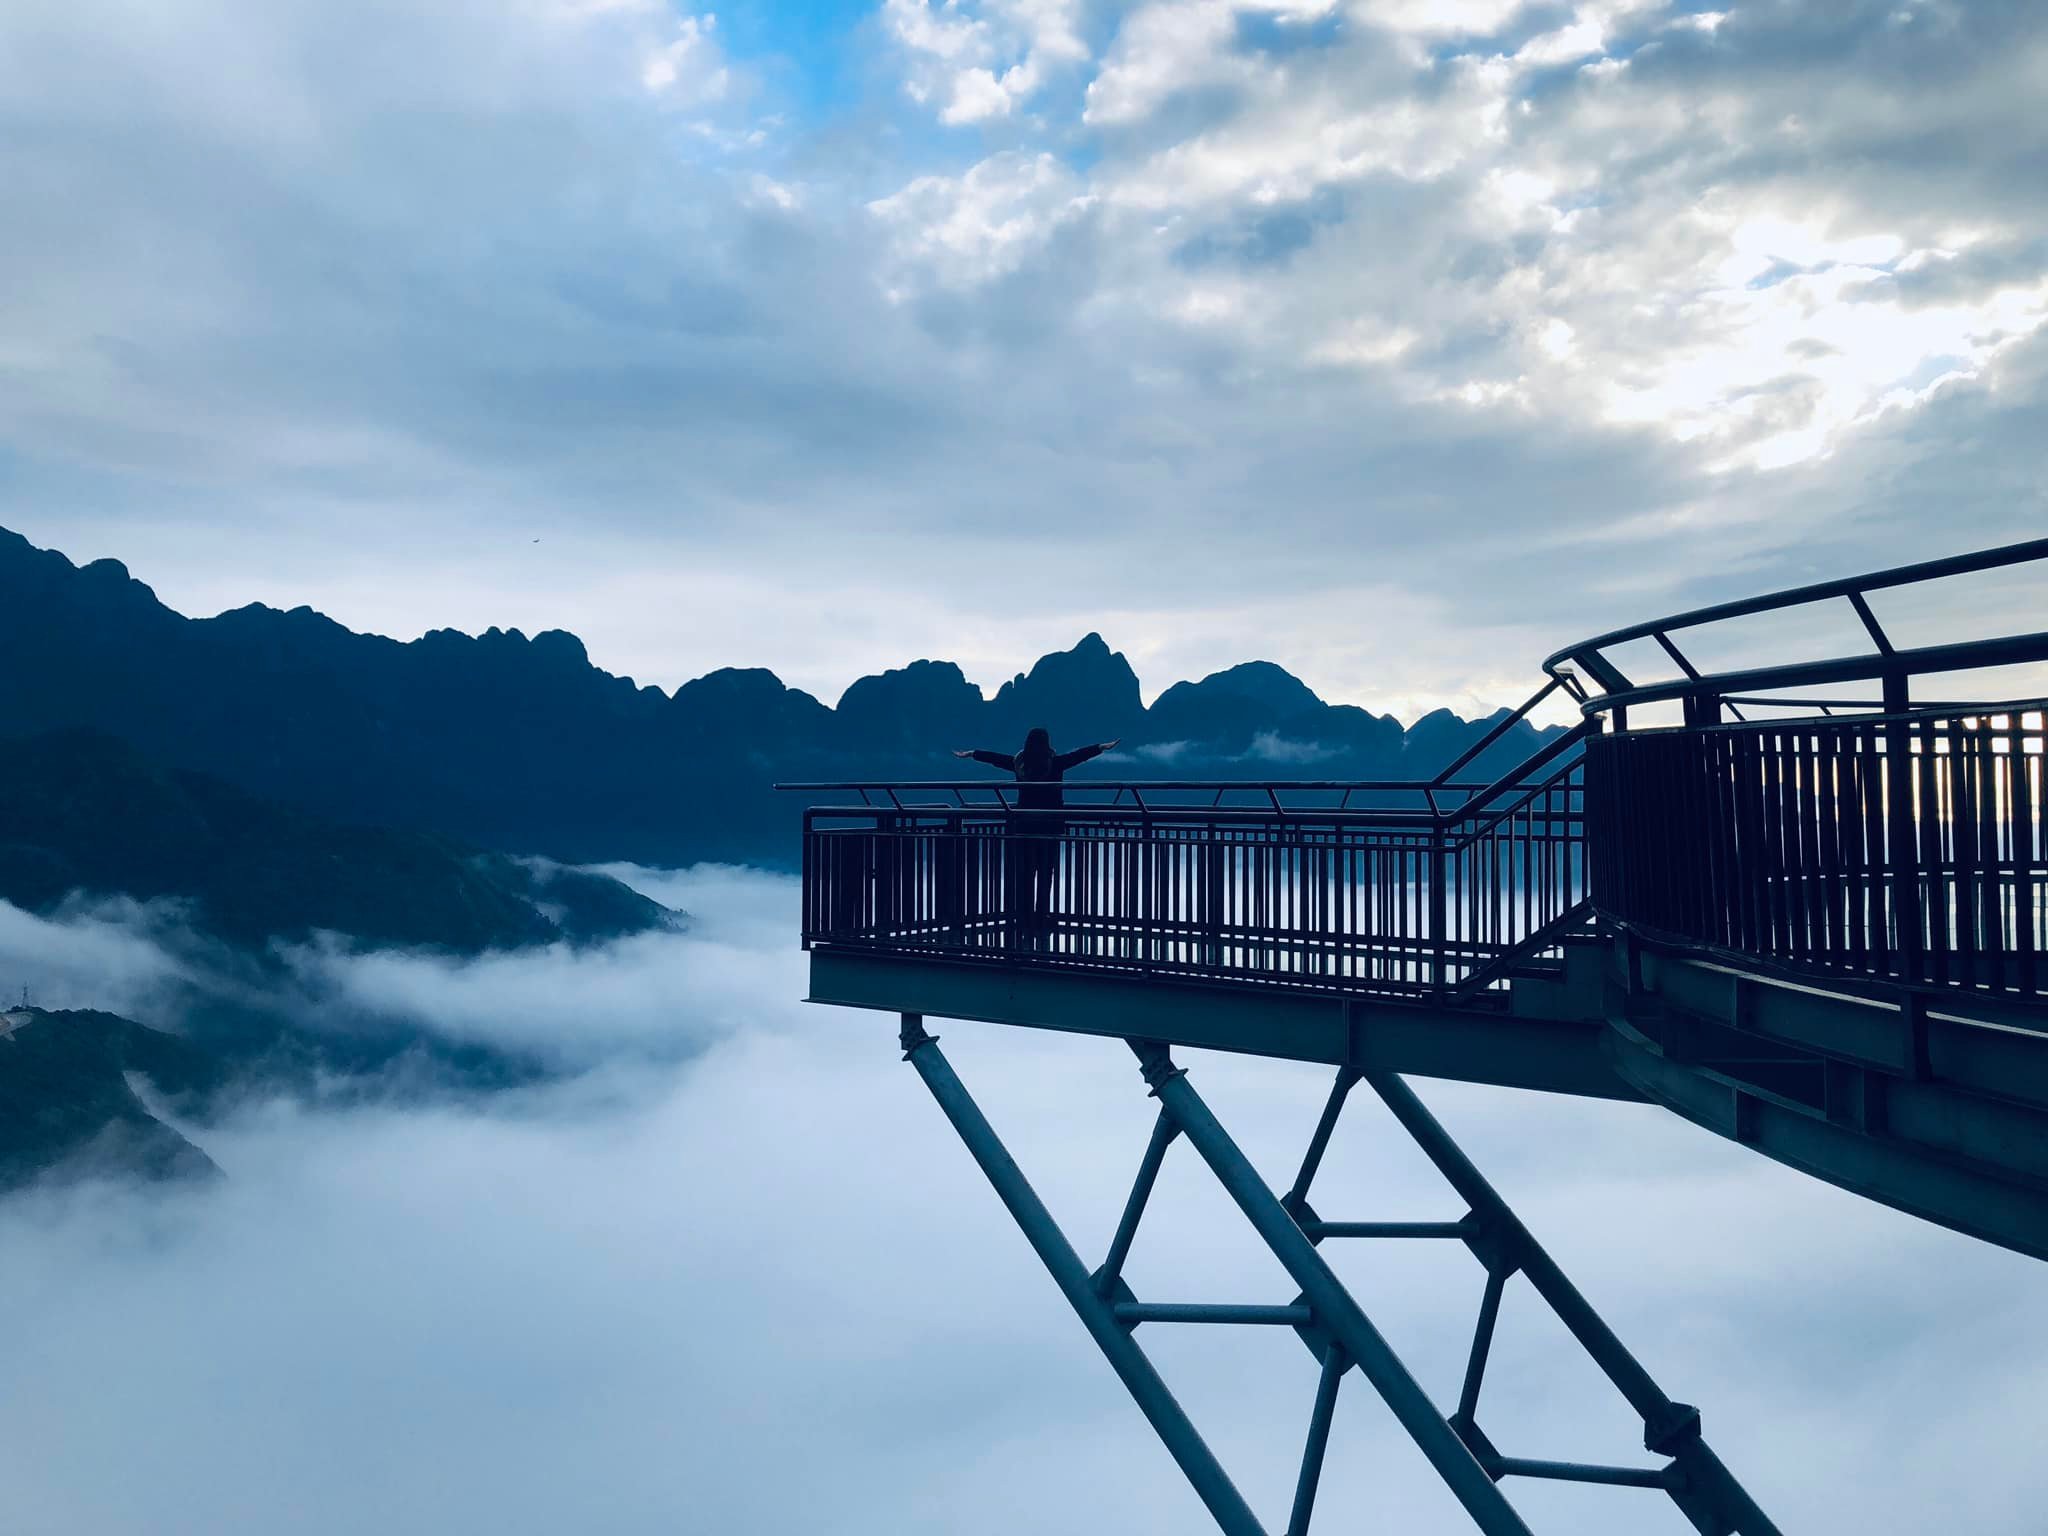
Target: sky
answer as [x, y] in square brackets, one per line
[730, 1271]
[1398, 341]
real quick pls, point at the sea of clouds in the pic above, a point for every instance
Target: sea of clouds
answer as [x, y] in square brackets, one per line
[728, 1271]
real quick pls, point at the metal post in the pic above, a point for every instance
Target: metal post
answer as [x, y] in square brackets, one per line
[1210, 1482]
[1296, 1198]
[1901, 840]
[1482, 1343]
[1439, 908]
[1312, 1452]
[1163, 1132]
[1670, 1429]
[1334, 1308]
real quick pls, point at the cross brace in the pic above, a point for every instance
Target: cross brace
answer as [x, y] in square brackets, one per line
[1327, 1318]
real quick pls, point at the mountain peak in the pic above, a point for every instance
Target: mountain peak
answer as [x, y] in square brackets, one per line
[926, 706]
[1082, 694]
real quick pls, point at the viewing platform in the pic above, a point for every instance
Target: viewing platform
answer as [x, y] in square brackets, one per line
[1795, 894]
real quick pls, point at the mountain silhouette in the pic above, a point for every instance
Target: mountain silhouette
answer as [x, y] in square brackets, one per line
[84, 814]
[68, 1110]
[520, 743]
[1086, 694]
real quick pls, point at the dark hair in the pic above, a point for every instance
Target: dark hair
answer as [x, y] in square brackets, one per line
[1037, 744]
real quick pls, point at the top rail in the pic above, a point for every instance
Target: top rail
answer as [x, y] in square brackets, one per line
[1417, 786]
[1885, 661]
[1475, 791]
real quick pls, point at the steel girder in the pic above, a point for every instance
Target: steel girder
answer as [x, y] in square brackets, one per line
[1330, 1321]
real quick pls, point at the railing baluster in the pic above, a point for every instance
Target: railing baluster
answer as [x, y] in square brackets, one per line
[1909, 845]
[2025, 852]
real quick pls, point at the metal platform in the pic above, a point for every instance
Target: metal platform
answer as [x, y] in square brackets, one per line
[1812, 925]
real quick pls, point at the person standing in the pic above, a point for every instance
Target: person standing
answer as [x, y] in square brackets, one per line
[1035, 844]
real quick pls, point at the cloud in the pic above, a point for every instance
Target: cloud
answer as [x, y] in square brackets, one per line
[982, 61]
[1195, 312]
[636, 1298]
[123, 956]
[981, 225]
[662, 994]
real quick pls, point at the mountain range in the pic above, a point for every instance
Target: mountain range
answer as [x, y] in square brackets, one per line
[272, 779]
[521, 744]
[68, 1107]
[83, 814]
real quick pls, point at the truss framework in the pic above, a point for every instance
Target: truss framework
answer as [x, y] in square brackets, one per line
[1326, 1317]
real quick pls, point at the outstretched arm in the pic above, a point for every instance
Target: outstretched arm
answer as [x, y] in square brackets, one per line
[1067, 760]
[1002, 760]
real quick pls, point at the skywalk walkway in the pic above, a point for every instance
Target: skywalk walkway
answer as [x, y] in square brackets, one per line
[1799, 899]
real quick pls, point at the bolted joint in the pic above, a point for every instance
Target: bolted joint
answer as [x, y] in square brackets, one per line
[1304, 1216]
[1319, 1339]
[912, 1036]
[1467, 1429]
[1111, 1288]
[1155, 1065]
[1494, 1245]
[1672, 1430]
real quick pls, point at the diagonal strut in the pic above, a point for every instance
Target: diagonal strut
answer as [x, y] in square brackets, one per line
[1327, 1317]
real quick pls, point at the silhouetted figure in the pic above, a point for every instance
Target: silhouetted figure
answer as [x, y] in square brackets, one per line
[1034, 847]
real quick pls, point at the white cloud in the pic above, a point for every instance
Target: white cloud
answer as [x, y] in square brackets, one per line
[634, 1301]
[967, 229]
[977, 62]
[1163, 49]
[662, 994]
[109, 953]
[687, 67]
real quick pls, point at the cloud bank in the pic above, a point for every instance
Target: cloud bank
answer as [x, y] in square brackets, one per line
[761, 1288]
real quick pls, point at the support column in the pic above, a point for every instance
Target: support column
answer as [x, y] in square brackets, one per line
[1710, 1496]
[1332, 1304]
[1171, 1422]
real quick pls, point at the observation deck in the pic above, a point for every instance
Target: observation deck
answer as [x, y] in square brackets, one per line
[1794, 892]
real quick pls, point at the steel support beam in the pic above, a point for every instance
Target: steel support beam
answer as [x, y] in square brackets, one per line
[1327, 1317]
[1707, 1491]
[1332, 1304]
[1334, 1366]
[1211, 1483]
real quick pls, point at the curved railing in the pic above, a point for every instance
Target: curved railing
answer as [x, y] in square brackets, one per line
[1893, 838]
[1705, 693]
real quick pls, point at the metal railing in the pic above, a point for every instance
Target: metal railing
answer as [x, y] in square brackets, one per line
[1887, 838]
[1705, 695]
[1899, 847]
[1892, 838]
[1404, 900]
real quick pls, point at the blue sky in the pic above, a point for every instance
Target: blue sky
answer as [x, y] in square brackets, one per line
[1397, 341]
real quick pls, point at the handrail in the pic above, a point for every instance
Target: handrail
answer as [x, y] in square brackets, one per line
[1820, 591]
[1112, 815]
[1958, 656]
[1884, 661]
[1256, 785]
[1918, 715]
[1500, 729]
[1516, 783]
[1402, 903]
